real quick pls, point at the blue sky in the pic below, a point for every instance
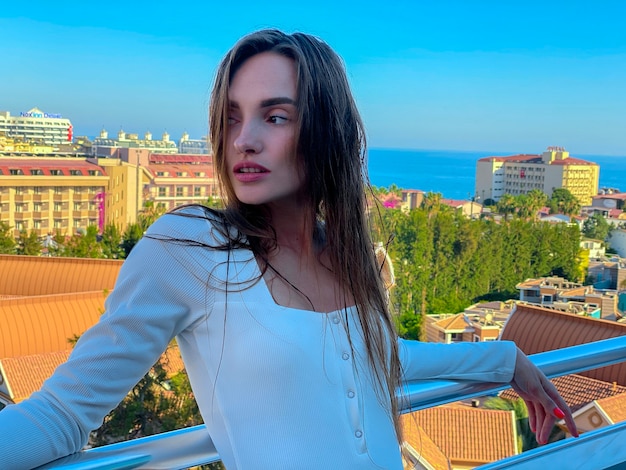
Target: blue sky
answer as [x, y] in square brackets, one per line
[467, 75]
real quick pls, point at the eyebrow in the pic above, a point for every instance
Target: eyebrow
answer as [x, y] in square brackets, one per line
[269, 102]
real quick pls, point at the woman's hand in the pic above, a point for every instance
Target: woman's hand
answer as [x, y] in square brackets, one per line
[544, 403]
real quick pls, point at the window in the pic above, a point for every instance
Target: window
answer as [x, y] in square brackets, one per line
[36, 172]
[13, 171]
[162, 192]
[58, 223]
[20, 225]
[58, 206]
[77, 206]
[93, 173]
[197, 191]
[456, 337]
[58, 190]
[37, 224]
[160, 173]
[179, 191]
[56, 172]
[77, 224]
[38, 190]
[37, 206]
[19, 190]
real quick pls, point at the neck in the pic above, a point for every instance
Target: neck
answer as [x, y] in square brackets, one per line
[295, 230]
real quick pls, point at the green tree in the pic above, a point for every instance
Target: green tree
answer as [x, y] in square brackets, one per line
[112, 242]
[155, 405]
[28, 243]
[563, 201]
[8, 245]
[596, 227]
[507, 205]
[531, 202]
[151, 211]
[526, 437]
[84, 244]
[132, 235]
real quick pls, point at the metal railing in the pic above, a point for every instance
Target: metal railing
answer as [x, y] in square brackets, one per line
[599, 449]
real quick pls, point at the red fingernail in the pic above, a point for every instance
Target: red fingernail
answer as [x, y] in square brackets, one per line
[558, 413]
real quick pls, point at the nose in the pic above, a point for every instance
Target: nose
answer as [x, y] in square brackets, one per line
[248, 141]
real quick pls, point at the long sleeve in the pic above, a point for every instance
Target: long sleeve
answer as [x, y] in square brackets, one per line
[490, 361]
[150, 304]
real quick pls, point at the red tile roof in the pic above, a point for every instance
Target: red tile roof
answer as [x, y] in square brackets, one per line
[46, 165]
[513, 158]
[427, 451]
[179, 158]
[466, 434]
[537, 329]
[26, 374]
[577, 390]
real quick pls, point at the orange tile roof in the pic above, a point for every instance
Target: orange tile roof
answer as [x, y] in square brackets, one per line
[26, 374]
[577, 390]
[614, 407]
[43, 324]
[455, 322]
[177, 158]
[425, 448]
[467, 434]
[40, 275]
[537, 329]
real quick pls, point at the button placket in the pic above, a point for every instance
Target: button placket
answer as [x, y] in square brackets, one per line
[349, 379]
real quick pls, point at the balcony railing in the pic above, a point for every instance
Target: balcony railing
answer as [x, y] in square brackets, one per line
[599, 449]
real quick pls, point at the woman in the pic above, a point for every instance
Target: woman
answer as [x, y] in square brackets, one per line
[277, 302]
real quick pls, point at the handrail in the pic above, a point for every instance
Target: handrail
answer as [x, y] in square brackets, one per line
[192, 446]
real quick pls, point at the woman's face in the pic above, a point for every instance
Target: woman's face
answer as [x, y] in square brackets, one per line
[262, 129]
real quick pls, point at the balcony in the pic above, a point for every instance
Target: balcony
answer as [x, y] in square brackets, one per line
[23, 197]
[598, 449]
[23, 215]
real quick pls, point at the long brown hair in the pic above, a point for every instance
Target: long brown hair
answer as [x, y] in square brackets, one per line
[330, 148]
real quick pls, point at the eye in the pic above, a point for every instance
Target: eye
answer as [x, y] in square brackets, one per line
[276, 119]
[231, 120]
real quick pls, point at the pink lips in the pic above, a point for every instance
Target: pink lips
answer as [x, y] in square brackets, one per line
[249, 172]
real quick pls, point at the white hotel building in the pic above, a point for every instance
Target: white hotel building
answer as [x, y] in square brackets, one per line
[36, 126]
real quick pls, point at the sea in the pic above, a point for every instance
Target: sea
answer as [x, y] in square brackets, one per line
[452, 173]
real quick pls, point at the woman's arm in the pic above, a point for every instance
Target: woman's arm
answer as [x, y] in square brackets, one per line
[492, 361]
[488, 361]
[150, 304]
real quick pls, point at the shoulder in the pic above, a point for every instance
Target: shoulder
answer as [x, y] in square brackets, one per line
[193, 224]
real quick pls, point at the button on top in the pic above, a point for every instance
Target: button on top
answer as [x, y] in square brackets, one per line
[350, 394]
[335, 319]
[358, 434]
[345, 356]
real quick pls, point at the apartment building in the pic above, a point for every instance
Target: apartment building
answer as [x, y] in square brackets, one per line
[180, 179]
[104, 146]
[36, 126]
[50, 194]
[520, 174]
